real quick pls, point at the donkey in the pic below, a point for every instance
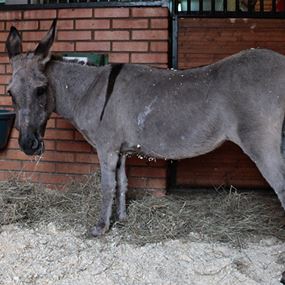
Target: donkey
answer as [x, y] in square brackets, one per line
[123, 109]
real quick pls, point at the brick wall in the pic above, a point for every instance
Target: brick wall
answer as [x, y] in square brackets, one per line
[204, 41]
[128, 35]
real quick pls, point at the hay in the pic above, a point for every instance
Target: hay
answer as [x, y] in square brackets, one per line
[225, 216]
[33, 205]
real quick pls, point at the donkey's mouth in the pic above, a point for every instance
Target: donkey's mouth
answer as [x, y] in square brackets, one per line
[32, 147]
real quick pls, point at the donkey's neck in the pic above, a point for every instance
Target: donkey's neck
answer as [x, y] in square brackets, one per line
[70, 83]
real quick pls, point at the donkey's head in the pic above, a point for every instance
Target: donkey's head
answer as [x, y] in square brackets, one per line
[32, 99]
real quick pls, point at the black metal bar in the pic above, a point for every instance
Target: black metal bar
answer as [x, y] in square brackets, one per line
[171, 174]
[237, 8]
[188, 6]
[213, 6]
[250, 5]
[225, 5]
[261, 6]
[229, 14]
[200, 6]
[273, 6]
[156, 3]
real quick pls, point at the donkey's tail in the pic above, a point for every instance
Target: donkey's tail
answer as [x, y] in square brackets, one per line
[283, 139]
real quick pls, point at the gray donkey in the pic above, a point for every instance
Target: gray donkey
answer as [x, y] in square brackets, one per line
[124, 108]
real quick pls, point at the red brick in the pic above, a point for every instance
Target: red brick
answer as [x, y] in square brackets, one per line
[63, 46]
[40, 14]
[137, 182]
[14, 154]
[159, 46]
[4, 79]
[92, 24]
[63, 124]
[149, 58]
[59, 134]
[10, 165]
[2, 26]
[130, 46]
[147, 172]
[23, 25]
[61, 25]
[111, 12]
[55, 178]
[55, 115]
[94, 167]
[31, 177]
[2, 69]
[130, 24]
[79, 136]
[34, 36]
[5, 100]
[2, 47]
[51, 123]
[73, 146]
[150, 12]
[10, 15]
[74, 35]
[159, 23]
[86, 158]
[29, 46]
[8, 69]
[5, 176]
[78, 168]
[75, 13]
[49, 145]
[135, 161]
[13, 144]
[3, 36]
[112, 35]
[38, 166]
[150, 35]
[2, 89]
[93, 46]
[156, 183]
[119, 58]
[58, 156]
[14, 133]
[4, 59]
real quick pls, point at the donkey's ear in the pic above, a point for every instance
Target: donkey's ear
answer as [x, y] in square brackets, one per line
[14, 43]
[45, 44]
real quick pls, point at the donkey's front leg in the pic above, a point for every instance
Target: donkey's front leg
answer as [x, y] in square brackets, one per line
[108, 165]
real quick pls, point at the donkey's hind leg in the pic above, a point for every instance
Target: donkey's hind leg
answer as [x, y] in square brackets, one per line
[265, 150]
[122, 186]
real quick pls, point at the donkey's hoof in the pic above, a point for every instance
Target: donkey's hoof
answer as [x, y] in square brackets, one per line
[283, 278]
[99, 230]
[122, 217]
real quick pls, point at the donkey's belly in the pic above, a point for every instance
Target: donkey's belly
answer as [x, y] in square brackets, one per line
[181, 147]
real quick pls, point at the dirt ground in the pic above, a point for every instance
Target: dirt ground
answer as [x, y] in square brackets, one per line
[50, 256]
[213, 239]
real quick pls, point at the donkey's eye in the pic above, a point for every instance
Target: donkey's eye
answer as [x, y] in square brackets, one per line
[41, 90]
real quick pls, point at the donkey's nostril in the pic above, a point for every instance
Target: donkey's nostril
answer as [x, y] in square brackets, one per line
[35, 144]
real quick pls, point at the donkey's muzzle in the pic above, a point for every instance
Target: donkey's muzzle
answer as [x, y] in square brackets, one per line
[31, 144]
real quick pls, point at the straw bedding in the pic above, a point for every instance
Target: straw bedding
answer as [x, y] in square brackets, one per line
[214, 215]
